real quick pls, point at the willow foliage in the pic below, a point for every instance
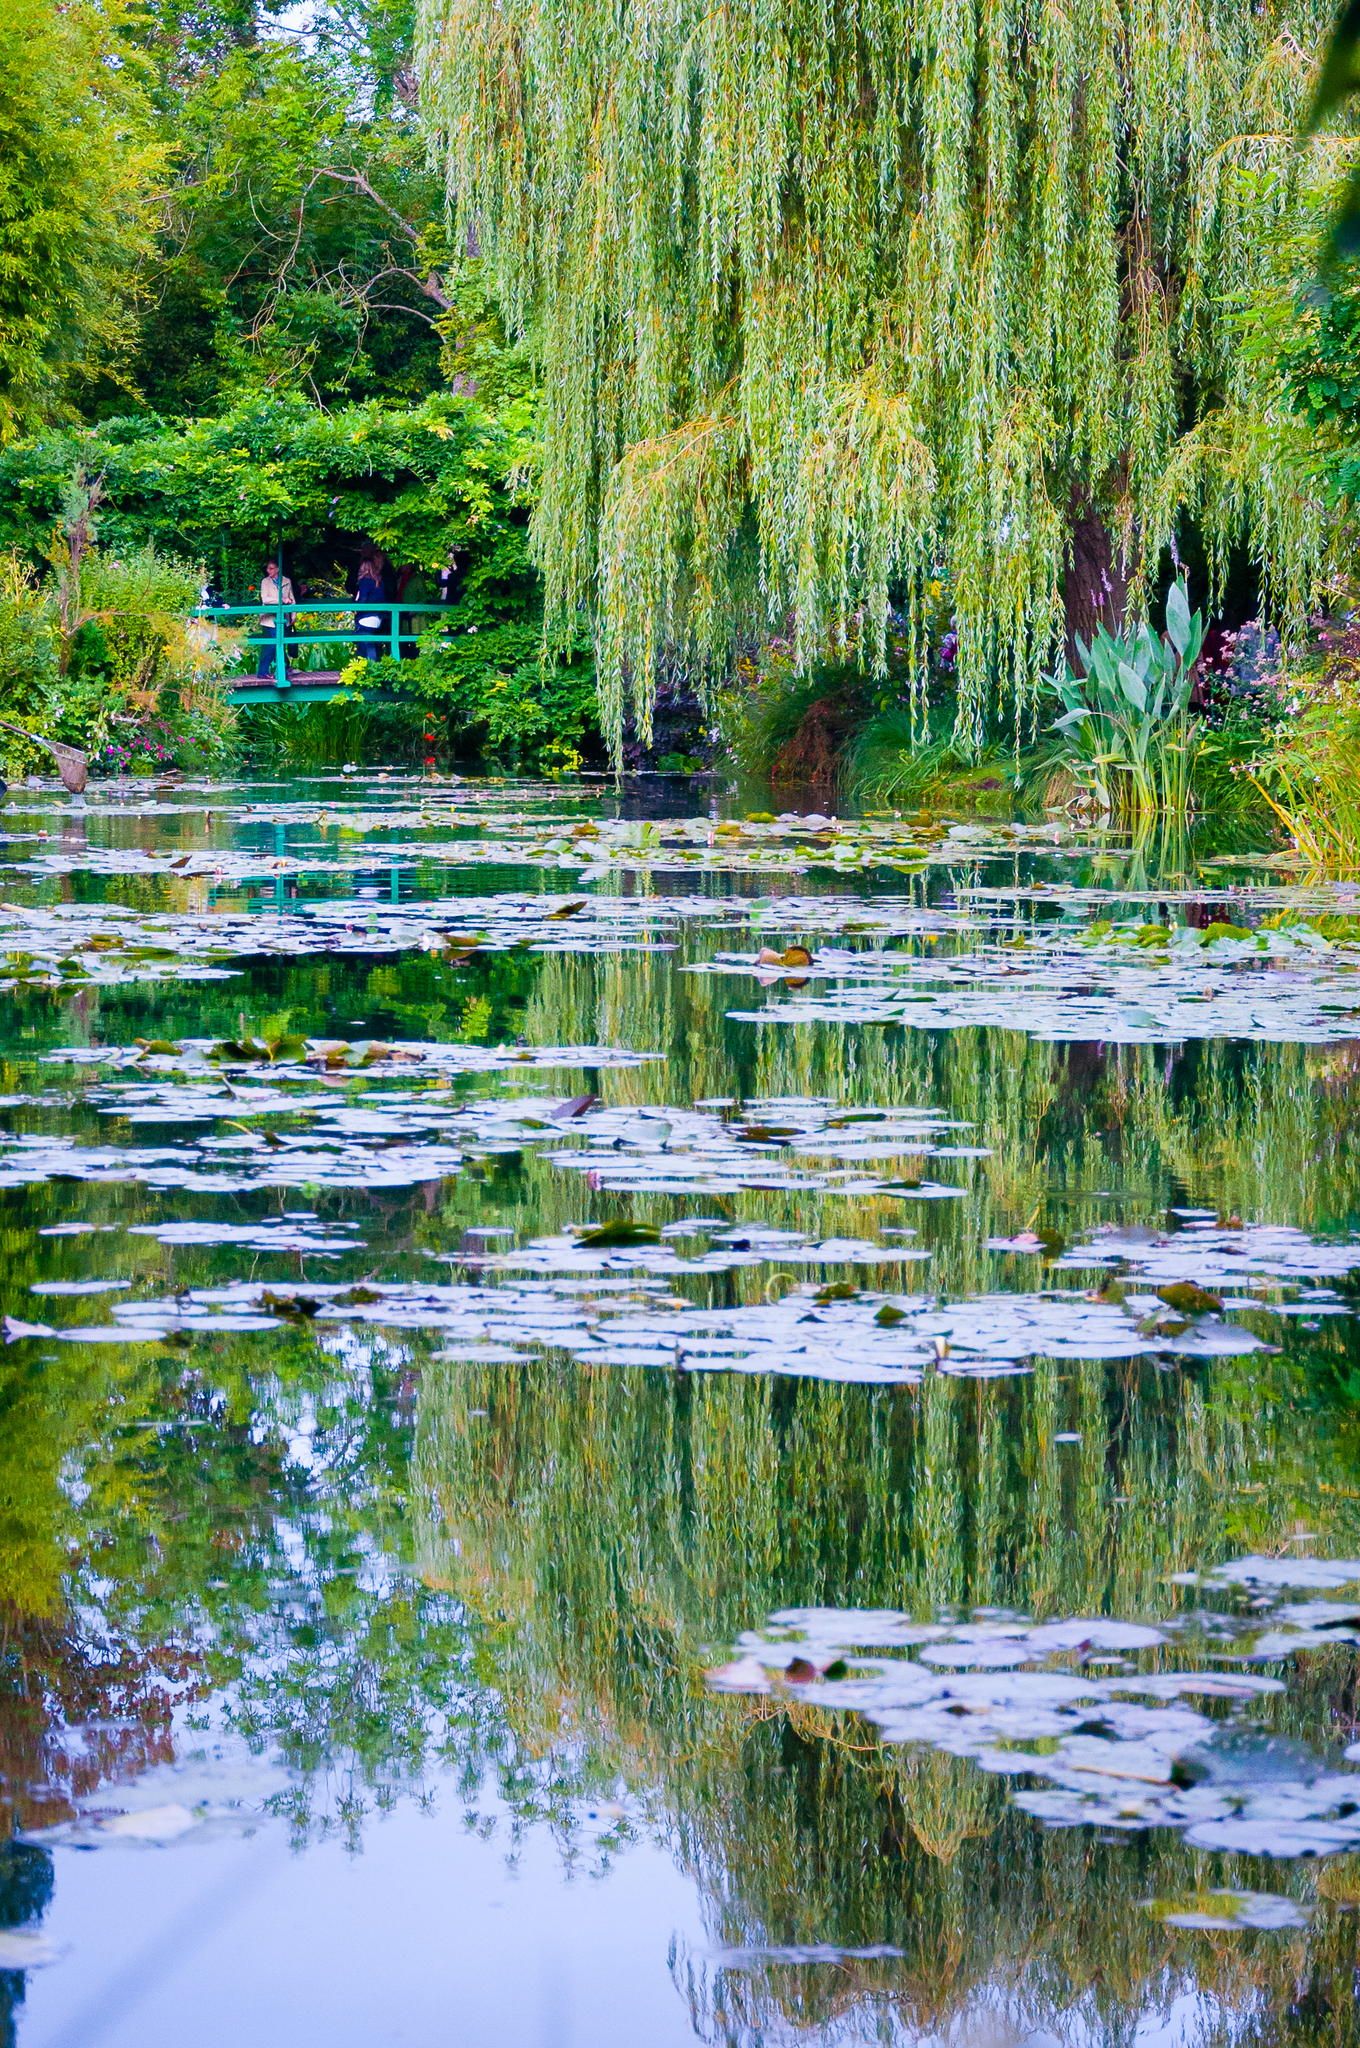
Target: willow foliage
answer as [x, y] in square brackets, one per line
[77, 169]
[831, 292]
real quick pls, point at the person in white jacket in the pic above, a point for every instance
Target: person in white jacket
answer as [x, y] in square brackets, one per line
[273, 590]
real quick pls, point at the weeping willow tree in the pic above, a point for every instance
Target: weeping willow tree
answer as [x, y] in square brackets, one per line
[834, 294]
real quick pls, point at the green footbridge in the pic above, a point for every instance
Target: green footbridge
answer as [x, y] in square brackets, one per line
[279, 633]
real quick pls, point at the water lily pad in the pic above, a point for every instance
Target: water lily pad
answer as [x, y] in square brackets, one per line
[611, 1236]
[27, 1948]
[1078, 1750]
[1268, 1911]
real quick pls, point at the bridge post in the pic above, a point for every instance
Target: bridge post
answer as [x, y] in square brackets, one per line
[280, 654]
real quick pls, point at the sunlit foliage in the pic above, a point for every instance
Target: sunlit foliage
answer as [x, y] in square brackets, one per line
[828, 295]
[77, 161]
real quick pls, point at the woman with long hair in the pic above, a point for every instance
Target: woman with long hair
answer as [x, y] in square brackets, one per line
[369, 589]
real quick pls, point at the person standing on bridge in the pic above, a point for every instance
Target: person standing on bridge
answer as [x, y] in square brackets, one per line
[275, 591]
[450, 578]
[370, 589]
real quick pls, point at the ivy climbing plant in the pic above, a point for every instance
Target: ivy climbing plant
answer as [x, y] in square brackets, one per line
[832, 293]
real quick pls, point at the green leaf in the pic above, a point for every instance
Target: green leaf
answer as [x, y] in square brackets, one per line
[1135, 689]
[607, 1236]
[1188, 1299]
[835, 1290]
[1178, 624]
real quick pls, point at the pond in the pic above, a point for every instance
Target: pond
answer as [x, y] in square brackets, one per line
[626, 1420]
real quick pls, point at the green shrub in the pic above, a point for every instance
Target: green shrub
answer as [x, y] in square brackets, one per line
[492, 696]
[102, 654]
[1308, 769]
[30, 649]
[893, 761]
[307, 737]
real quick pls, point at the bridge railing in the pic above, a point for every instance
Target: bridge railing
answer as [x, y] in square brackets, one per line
[280, 636]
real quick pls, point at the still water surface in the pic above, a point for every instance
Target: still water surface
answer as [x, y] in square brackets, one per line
[626, 1424]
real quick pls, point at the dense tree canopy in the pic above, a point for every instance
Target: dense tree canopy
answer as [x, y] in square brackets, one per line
[77, 165]
[300, 235]
[232, 321]
[297, 359]
[202, 201]
[829, 295]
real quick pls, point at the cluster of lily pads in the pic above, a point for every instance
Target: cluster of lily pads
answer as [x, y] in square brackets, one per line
[295, 1115]
[1061, 981]
[604, 1294]
[66, 946]
[1097, 1721]
[517, 835]
[407, 1058]
[1125, 1723]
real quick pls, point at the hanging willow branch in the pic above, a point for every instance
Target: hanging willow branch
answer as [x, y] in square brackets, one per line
[829, 292]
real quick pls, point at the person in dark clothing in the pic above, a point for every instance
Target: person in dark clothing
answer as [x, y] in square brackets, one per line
[369, 590]
[449, 581]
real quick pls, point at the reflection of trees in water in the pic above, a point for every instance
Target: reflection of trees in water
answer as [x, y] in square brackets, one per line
[416, 995]
[1263, 1131]
[613, 1529]
[80, 1710]
[1259, 1130]
[1006, 1930]
[582, 1669]
[162, 1545]
[1075, 1135]
[605, 1530]
[26, 1880]
[89, 1681]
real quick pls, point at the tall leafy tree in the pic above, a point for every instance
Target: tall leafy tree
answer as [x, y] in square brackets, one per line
[831, 294]
[78, 163]
[300, 239]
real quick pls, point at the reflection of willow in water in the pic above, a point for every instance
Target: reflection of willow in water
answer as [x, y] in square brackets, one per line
[1076, 1134]
[1006, 1934]
[613, 1529]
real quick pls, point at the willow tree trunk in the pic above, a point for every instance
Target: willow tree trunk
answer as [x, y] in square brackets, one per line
[1096, 584]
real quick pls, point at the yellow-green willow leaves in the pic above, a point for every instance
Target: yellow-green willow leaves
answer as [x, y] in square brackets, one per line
[830, 295]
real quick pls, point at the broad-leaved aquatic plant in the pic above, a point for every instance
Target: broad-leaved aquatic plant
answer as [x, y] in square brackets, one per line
[1126, 717]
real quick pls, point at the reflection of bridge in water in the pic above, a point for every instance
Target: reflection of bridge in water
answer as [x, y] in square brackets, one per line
[380, 882]
[276, 628]
[284, 892]
[392, 881]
